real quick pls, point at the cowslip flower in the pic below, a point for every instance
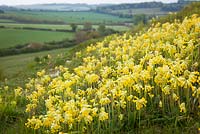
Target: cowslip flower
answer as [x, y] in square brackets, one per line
[92, 78]
[140, 103]
[182, 108]
[103, 115]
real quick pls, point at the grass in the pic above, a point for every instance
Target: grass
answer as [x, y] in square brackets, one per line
[147, 11]
[12, 65]
[6, 21]
[13, 37]
[16, 68]
[69, 17]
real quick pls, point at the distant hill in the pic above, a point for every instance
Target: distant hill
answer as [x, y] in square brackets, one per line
[6, 8]
[186, 1]
[59, 7]
[147, 8]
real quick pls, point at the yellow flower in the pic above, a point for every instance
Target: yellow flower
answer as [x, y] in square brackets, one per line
[34, 123]
[103, 115]
[175, 97]
[140, 103]
[1, 100]
[104, 101]
[182, 108]
[160, 104]
[166, 90]
[121, 116]
[18, 91]
[92, 78]
[6, 88]
[40, 74]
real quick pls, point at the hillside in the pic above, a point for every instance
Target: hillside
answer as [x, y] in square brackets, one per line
[147, 82]
[123, 80]
[122, 84]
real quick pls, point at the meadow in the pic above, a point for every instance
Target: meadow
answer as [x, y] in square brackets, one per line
[6, 21]
[12, 37]
[66, 17]
[123, 83]
[146, 11]
[10, 67]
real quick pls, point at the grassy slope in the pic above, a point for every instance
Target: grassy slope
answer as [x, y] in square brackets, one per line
[17, 68]
[69, 17]
[12, 37]
[14, 64]
[150, 130]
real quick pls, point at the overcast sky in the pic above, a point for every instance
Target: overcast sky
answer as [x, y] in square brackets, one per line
[24, 2]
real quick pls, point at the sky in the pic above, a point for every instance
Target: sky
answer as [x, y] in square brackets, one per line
[25, 2]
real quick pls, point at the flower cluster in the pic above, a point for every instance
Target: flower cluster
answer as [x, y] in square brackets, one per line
[120, 78]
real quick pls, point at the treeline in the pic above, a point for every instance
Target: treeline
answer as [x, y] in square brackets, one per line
[171, 7]
[20, 19]
[39, 29]
[36, 47]
[188, 10]
[88, 32]
[1, 11]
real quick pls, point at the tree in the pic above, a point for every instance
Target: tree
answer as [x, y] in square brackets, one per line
[87, 26]
[81, 36]
[1, 11]
[74, 27]
[101, 29]
[139, 18]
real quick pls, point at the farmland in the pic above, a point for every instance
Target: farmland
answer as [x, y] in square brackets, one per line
[13, 37]
[22, 33]
[6, 21]
[21, 36]
[146, 11]
[11, 67]
[65, 17]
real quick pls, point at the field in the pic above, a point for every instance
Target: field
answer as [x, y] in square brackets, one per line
[20, 36]
[67, 17]
[13, 30]
[13, 37]
[6, 21]
[146, 11]
[12, 65]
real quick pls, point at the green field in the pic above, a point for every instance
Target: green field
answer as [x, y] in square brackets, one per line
[43, 26]
[147, 11]
[67, 17]
[13, 37]
[6, 21]
[15, 64]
